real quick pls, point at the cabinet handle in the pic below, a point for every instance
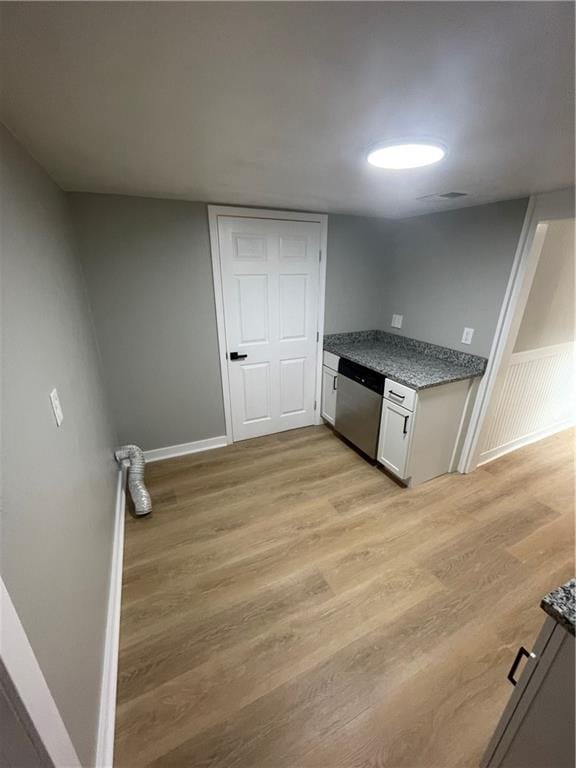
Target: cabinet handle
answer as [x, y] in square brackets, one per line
[334, 380]
[405, 430]
[521, 652]
[400, 397]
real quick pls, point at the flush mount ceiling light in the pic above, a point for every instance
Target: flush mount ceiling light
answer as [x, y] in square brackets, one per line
[396, 157]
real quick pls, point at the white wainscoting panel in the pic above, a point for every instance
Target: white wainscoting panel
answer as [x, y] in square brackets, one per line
[537, 399]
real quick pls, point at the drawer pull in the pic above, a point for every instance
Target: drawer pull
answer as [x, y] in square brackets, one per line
[401, 397]
[521, 652]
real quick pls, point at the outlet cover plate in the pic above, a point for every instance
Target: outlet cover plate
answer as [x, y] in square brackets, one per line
[56, 407]
[467, 335]
[397, 321]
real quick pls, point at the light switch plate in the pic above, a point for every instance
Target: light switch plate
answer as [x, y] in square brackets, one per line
[467, 335]
[56, 407]
[397, 321]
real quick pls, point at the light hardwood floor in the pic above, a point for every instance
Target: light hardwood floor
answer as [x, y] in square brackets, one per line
[287, 605]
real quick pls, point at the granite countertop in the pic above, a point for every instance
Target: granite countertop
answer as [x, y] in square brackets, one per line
[414, 363]
[560, 604]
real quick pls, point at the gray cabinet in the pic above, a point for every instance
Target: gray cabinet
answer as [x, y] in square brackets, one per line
[536, 729]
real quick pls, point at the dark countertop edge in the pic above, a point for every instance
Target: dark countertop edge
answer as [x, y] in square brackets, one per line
[408, 383]
[555, 605]
[451, 380]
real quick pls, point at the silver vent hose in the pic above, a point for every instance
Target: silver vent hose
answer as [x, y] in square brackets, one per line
[138, 491]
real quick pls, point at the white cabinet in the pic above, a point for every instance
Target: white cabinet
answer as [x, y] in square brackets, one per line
[329, 386]
[329, 390]
[331, 360]
[400, 394]
[420, 431]
[395, 433]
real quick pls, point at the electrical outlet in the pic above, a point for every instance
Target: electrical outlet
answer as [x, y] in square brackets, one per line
[397, 321]
[467, 335]
[56, 407]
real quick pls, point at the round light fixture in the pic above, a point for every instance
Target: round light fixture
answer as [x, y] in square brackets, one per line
[397, 157]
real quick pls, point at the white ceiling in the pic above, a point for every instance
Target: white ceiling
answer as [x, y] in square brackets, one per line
[275, 104]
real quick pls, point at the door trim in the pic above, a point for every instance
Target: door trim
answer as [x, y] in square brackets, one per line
[25, 675]
[214, 211]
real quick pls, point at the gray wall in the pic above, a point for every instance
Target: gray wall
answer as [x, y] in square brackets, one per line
[549, 314]
[442, 271]
[450, 270]
[148, 268]
[58, 484]
[357, 272]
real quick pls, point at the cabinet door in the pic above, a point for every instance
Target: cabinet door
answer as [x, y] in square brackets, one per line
[329, 384]
[394, 441]
[537, 726]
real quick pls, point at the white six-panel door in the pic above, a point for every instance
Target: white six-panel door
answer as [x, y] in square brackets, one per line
[270, 286]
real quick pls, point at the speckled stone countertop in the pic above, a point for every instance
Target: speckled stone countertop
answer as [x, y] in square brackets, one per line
[416, 364]
[560, 604]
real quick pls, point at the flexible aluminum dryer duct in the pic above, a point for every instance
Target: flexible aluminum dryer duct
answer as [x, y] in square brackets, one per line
[138, 491]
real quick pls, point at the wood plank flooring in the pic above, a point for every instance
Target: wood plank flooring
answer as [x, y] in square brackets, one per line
[288, 605]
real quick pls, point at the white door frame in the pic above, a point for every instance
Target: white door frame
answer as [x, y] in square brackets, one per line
[541, 208]
[24, 673]
[263, 213]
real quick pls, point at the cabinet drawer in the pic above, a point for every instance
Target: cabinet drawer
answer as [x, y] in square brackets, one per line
[399, 394]
[331, 360]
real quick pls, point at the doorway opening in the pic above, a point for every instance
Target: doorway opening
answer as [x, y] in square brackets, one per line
[535, 396]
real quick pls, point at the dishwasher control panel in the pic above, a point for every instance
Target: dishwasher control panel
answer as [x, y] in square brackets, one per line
[368, 378]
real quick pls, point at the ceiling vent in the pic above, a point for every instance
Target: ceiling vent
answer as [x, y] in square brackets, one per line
[443, 196]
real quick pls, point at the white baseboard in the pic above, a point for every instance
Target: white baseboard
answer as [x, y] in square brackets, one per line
[533, 437]
[25, 674]
[171, 451]
[107, 714]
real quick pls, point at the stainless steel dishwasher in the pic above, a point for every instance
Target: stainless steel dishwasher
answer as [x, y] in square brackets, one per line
[359, 405]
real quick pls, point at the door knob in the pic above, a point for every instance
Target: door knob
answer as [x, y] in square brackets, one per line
[236, 356]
